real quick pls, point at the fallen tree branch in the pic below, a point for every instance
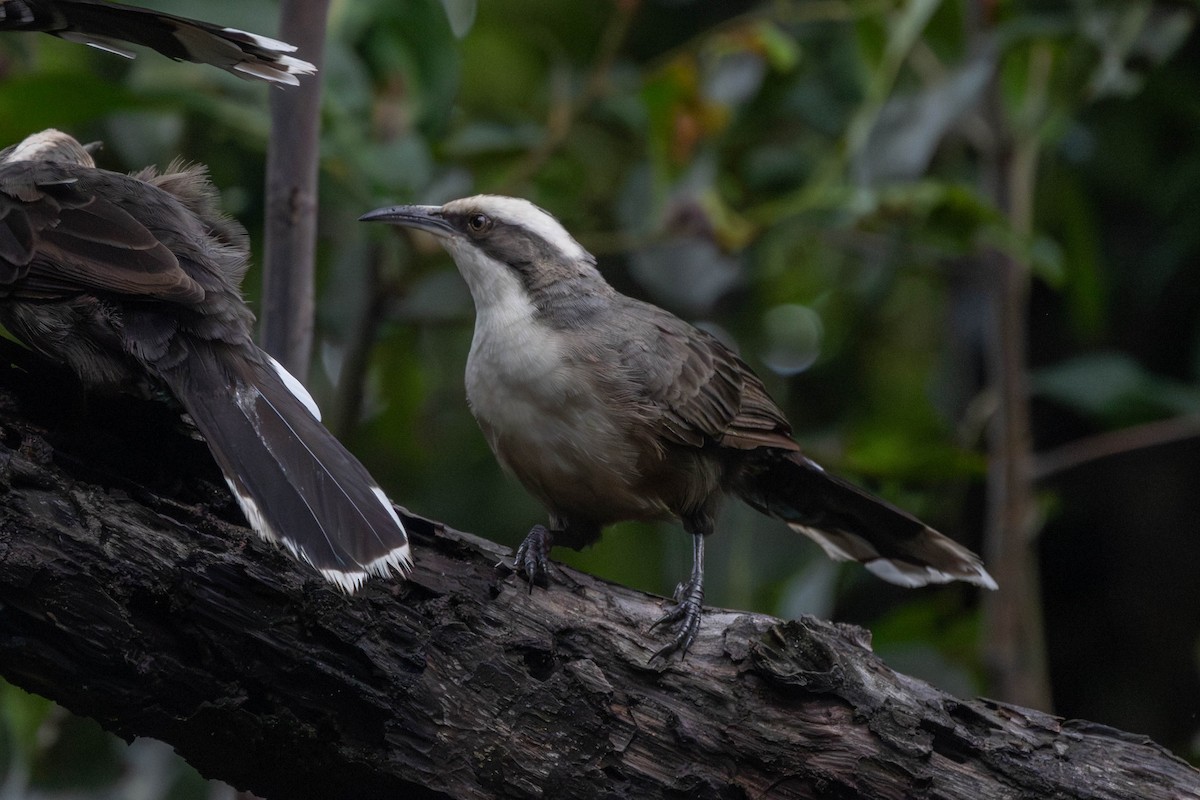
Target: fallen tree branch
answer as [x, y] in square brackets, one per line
[130, 593]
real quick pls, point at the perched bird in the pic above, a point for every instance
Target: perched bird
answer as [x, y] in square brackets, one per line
[109, 26]
[607, 408]
[132, 282]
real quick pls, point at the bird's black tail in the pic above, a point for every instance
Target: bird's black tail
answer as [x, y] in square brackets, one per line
[297, 485]
[851, 525]
[108, 26]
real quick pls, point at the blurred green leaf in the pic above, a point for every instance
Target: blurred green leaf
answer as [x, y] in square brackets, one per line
[902, 34]
[490, 138]
[77, 99]
[23, 715]
[782, 51]
[412, 47]
[1132, 33]
[505, 75]
[928, 638]
[1115, 389]
[461, 14]
[906, 455]
[909, 127]
[80, 756]
[145, 137]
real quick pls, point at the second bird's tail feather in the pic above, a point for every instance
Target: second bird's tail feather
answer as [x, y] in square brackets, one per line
[297, 485]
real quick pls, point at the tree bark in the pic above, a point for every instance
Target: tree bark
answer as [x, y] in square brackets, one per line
[130, 593]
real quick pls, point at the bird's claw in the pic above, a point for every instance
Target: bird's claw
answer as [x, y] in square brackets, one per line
[685, 616]
[532, 558]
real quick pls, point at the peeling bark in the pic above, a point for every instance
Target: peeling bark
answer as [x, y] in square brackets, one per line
[129, 592]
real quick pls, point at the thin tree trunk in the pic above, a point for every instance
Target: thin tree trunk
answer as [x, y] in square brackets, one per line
[291, 204]
[1015, 649]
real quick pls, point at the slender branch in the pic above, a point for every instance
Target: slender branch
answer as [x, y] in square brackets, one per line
[289, 261]
[1111, 443]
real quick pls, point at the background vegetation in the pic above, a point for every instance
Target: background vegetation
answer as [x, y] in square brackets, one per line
[834, 186]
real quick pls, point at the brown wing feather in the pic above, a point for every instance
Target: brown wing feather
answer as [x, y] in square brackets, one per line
[697, 390]
[759, 422]
[61, 239]
[16, 241]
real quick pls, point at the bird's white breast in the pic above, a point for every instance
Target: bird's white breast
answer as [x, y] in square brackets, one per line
[514, 370]
[539, 405]
[545, 421]
[515, 367]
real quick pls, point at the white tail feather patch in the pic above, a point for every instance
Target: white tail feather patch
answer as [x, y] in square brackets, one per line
[983, 578]
[387, 505]
[379, 495]
[398, 560]
[256, 519]
[271, 64]
[909, 575]
[265, 42]
[348, 580]
[832, 549]
[296, 65]
[902, 573]
[297, 388]
[98, 42]
[912, 575]
[266, 73]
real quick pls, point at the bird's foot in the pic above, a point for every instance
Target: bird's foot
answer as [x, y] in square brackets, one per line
[684, 616]
[532, 558]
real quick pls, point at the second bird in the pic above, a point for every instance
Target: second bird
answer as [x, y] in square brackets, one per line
[132, 281]
[607, 408]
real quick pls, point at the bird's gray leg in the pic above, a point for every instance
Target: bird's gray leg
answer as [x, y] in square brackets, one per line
[684, 615]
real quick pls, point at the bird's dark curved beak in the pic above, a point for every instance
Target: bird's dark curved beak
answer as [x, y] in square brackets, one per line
[422, 218]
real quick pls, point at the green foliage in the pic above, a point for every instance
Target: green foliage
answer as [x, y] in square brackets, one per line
[1115, 389]
[928, 637]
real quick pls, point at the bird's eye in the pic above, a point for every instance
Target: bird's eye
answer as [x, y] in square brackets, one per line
[479, 223]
